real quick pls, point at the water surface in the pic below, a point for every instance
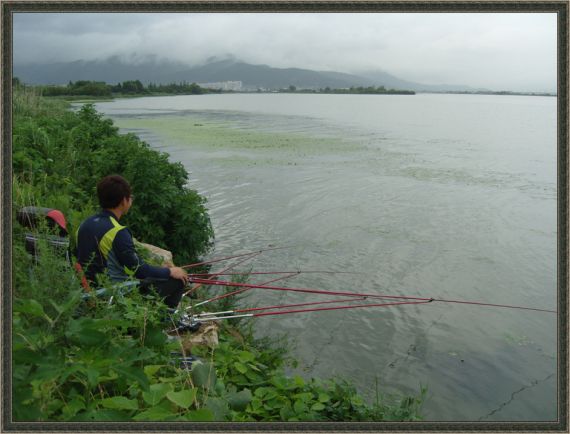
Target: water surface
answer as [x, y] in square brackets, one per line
[445, 196]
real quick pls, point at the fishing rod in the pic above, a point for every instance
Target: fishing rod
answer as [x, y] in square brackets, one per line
[288, 274]
[251, 256]
[194, 324]
[353, 294]
[205, 315]
[247, 273]
[307, 290]
[239, 291]
[225, 258]
[246, 315]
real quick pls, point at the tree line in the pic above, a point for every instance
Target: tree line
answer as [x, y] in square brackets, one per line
[130, 87]
[351, 90]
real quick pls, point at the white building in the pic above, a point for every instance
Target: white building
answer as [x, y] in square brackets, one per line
[224, 85]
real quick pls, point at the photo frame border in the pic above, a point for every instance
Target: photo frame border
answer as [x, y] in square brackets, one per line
[8, 8]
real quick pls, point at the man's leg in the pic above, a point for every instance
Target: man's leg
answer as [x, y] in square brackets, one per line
[170, 290]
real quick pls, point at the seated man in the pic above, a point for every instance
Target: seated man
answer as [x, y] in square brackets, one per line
[104, 246]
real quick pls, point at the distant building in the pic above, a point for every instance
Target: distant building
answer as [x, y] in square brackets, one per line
[224, 85]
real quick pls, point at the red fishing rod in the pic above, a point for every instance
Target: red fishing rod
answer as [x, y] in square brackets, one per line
[352, 294]
[239, 312]
[251, 256]
[247, 273]
[289, 274]
[206, 315]
[307, 290]
[239, 291]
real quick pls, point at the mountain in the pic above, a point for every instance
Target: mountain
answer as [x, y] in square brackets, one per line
[111, 70]
[151, 70]
[396, 83]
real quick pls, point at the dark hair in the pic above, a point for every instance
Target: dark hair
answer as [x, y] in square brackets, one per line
[111, 190]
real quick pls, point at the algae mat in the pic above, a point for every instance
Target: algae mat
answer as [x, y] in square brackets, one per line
[244, 142]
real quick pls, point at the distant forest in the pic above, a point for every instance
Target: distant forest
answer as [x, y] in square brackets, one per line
[135, 87]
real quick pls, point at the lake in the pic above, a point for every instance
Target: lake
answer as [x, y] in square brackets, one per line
[443, 196]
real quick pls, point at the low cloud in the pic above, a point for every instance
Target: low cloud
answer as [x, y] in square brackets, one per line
[499, 51]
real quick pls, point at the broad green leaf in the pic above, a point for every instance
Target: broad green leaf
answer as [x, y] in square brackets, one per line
[283, 383]
[238, 401]
[246, 356]
[73, 407]
[270, 394]
[218, 406]
[276, 403]
[204, 375]
[318, 406]
[31, 307]
[323, 397]
[183, 399]
[87, 337]
[98, 415]
[119, 403]
[202, 415]
[157, 413]
[220, 387]
[298, 381]
[260, 391]
[253, 377]
[305, 396]
[240, 367]
[53, 405]
[151, 370]
[299, 407]
[156, 393]
[252, 366]
[92, 376]
[133, 373]
[285, 413]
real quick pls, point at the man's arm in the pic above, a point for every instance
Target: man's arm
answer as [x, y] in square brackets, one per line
[124, 249]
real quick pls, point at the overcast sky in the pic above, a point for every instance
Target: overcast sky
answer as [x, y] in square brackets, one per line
[496, 51]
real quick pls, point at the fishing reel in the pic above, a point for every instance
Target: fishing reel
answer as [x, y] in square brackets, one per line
[183, 323]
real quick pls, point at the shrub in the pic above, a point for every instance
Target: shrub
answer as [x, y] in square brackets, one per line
[72, 151]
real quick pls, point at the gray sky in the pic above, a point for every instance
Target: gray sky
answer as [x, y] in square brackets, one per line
[497, 51]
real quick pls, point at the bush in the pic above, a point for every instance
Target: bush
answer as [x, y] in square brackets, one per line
[72, 151]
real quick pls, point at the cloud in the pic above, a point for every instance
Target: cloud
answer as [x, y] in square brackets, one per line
[500, 50]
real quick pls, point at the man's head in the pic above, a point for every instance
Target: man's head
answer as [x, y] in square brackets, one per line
[113, 192]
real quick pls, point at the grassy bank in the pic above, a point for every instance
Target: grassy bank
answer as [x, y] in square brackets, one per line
[91, 360]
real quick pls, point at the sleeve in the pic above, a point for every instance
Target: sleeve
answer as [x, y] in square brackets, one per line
[124, 249]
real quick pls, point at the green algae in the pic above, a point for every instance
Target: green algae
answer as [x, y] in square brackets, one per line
[207, 134]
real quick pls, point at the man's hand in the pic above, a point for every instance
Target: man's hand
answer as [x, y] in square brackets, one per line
[179, 273]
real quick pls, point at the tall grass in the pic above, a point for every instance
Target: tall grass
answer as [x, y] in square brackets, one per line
[28, 101]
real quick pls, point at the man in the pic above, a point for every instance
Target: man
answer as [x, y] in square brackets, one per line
[106, 247]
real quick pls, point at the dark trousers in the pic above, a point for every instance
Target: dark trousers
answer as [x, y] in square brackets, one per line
[170, 290]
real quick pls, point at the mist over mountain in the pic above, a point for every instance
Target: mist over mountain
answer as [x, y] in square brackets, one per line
[160, 71]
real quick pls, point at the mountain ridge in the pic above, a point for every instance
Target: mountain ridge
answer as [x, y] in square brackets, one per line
[151, 70]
